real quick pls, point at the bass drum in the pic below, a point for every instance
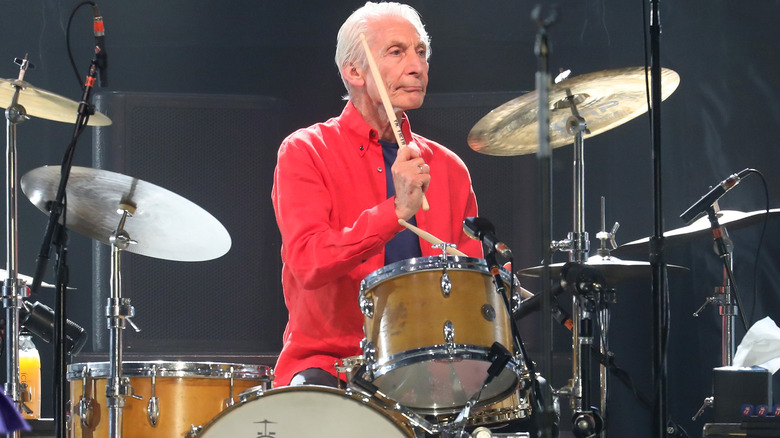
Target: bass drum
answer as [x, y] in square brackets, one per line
[307, 411]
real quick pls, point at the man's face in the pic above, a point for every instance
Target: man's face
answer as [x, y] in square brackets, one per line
[401, 60]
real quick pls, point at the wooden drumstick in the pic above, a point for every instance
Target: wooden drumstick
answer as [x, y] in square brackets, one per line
[380, 85]
[430, 238]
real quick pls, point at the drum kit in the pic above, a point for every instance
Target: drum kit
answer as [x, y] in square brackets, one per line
[441, 354]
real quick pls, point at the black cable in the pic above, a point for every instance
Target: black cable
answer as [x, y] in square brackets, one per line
[67, 41]
[751, 315]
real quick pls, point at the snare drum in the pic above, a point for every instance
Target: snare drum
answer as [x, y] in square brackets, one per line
[429, 324]
[307, 411]
[175, 395]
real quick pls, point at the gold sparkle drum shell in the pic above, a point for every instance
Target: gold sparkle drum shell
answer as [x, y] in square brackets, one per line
[187, 393]
[430, 323]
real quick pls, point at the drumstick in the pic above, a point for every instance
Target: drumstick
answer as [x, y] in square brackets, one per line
[380, 85]
[430, 238]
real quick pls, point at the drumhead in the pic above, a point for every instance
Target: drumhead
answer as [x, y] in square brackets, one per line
[307, 411]
[162, 368]
[455, 263]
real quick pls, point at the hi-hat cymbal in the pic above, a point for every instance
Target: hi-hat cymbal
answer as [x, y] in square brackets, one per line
[698, 229]
[26, 278]
[605, 99]
[45, 104]
[164, 224]
[614, 269]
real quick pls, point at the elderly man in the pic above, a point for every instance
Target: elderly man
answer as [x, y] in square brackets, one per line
[341, 186]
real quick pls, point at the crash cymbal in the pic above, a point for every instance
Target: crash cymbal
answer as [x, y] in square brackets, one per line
[45, 104]
[605, 99]
[164, 225]
[614, 269]
[698, 229]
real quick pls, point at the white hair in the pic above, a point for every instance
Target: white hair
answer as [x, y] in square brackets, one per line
[349, 48]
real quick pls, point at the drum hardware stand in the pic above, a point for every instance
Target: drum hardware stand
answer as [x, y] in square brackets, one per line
[578, 246]
[13, 286]
[118, 311]
[56, 209]
[725, 297]
[544, 156]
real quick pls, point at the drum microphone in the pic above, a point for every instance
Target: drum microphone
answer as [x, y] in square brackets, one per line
[481, 229]
[100, 46]
[575, 278]
[707, 200]
[38, 318]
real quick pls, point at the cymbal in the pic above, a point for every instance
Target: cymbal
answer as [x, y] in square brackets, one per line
[605, 99]
[45, 104]
[165, 225]
[698, 229]
[27, 279]
[614, 269]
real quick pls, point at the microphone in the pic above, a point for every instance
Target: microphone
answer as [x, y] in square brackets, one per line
[481, 229]
[38, 318]
[707, 200]
[100, 46]
[576, 278]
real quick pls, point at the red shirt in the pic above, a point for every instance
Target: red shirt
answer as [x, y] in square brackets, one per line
[330, 199]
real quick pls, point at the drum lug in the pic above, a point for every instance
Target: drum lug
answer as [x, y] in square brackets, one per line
[446, 284]
[153, 407]
[85, 403]
[366, 304]
[369, 351]
[230, 401]
[85, 412]
[449, 337]
[194, 431]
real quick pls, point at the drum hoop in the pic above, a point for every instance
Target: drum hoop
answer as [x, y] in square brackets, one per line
[212, 370]
[357, 397]
[431, 263]
[434, 352]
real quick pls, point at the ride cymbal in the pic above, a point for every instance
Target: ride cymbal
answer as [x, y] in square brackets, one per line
[164, 224]
[605, 99]
[45, 104]
[614, 269]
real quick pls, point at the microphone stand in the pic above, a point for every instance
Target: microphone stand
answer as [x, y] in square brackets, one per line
[544, 156]
[657, 260]
[728, 309]
[56, 209]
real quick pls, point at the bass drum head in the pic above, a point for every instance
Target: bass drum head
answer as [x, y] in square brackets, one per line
[307, 411]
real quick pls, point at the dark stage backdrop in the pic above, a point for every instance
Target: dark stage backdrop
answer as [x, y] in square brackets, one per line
[268, 68]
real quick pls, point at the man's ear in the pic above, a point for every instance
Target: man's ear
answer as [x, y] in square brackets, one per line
[354, 74]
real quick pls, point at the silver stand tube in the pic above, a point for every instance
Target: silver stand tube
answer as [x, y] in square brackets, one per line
[12, 286]
[728, 312]
[117, 311]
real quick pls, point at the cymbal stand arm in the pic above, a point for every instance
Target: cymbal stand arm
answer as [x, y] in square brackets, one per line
[117, 311]
[12, 286]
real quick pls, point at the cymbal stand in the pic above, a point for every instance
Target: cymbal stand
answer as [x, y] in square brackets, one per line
[13, 287]
[586, 422]
[118, 311]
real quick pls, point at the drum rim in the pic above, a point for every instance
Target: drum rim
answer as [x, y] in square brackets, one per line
[357, 397]
[430, 263]
[443, 352]
[166, 368]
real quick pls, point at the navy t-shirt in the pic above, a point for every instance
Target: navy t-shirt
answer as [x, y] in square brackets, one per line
[405, 245]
